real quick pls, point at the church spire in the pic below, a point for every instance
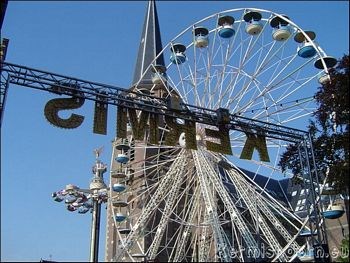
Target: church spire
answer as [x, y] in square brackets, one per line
[150, 45]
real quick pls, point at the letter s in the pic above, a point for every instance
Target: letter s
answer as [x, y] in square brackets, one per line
[53, 106]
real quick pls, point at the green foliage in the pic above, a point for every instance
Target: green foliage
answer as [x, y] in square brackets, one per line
[122, 121]
[344, 249]
[53, 106]
[222, 134]
[257, 142]
[329, 130]
[189, 128]
[100, 118]
[153, 129]
[138, 125]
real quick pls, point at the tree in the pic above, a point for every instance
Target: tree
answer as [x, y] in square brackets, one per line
[344, 250]
[329, 130]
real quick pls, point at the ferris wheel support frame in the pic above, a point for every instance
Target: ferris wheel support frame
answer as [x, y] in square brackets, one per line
[112, 95]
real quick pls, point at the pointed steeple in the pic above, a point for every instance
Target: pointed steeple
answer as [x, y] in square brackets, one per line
[150, 45]
[3, 11]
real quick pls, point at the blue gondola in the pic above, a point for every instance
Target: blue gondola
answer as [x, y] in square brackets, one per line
[119, 217]
[122, 158]
[226, 26]
[178, 54]
[177, 58]
[306, 49]
[334, 212]
[118, 187]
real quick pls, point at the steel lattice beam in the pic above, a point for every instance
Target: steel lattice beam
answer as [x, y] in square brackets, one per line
[164, 187]
[109, 94]
[222, 247]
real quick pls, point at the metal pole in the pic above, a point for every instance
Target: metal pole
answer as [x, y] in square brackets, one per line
[95, 231]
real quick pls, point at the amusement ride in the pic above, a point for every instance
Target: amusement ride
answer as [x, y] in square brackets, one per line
[247, 73]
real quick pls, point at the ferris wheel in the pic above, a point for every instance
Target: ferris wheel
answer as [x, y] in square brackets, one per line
[171, 203]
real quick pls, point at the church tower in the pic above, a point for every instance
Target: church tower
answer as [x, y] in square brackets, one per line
[150, 46]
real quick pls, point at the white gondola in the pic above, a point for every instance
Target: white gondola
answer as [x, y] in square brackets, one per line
[158, 74]
[225, 24]
[323, 78]
[281, 28]
[178, 54]
[201, 38]
[254, 26]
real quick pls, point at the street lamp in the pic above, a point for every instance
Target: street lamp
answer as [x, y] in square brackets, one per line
[84, 200]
